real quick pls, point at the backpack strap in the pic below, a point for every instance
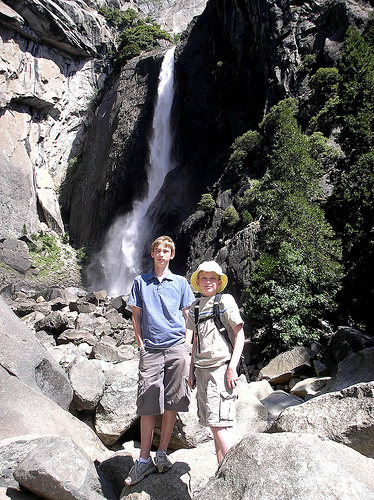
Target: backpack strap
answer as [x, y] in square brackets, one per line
[217, 320]
[196, 313]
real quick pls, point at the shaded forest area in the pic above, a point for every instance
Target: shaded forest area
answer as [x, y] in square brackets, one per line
[310, 165]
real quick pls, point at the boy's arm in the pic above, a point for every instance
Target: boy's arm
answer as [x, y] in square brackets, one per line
[191, 378]
[189, 336]
[189, 333]
[185, 313]
[231, 374]
[137, 324]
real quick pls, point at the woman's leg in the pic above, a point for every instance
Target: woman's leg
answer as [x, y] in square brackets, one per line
[222, 441]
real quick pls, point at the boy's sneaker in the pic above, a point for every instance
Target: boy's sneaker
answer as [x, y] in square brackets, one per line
[139, 471]
[162, 462]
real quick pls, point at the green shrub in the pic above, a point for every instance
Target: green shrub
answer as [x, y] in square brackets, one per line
[119, 18]
[206, 203]
[230, 216]
[286, 297]
[243, 147]
[247, 217]
[136, 34]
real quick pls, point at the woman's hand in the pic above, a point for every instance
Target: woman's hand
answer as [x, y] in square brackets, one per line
[231, 377]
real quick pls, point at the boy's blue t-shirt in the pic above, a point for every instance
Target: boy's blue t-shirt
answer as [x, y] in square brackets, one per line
[163, 324]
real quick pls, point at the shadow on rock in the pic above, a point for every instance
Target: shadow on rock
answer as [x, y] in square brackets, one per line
[167, 486]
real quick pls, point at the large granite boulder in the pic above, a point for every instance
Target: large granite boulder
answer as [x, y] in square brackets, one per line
[356, 368]
[26, 411]
[23, 358]
[350, 418]
[15, 253]
[58, 468]
[288, 364]
[288, 465]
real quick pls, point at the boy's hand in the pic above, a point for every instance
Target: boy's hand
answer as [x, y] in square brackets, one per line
[231, 377]
[192, 382]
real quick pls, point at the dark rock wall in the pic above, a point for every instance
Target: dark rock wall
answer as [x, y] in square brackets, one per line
[111, 172]
[238, 59]
[233, 63]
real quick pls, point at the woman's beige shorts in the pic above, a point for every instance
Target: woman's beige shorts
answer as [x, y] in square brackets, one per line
[215, 400]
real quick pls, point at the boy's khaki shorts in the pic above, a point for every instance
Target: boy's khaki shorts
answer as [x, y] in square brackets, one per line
[215, 400]
[163, 380]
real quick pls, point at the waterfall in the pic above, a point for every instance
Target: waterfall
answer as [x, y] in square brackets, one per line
[124, 244]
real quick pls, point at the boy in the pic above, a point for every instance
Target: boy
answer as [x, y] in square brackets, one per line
[160, 302]
[213, 361]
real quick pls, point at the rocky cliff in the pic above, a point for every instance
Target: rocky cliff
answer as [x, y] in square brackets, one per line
[77, 136]
[236, 60]
[53, 66]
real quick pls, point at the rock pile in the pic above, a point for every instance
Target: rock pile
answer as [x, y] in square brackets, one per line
[68, 428]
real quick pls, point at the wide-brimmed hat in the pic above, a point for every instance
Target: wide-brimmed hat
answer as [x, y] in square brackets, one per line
[208, 267]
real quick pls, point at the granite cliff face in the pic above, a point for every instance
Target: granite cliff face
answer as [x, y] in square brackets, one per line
[53, 66]
[77, 136]
[50, 71]
[237, 60]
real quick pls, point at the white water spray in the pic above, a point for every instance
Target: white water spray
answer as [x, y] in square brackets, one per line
[124, 243]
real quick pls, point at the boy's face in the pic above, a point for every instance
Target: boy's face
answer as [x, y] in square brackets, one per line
[162, 255]
[209, 282]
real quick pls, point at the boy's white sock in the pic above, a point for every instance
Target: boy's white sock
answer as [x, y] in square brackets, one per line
[143, 461]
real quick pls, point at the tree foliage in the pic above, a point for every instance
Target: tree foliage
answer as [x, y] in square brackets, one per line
[136, 35]
[285, 297]
[298, 273]
[206, 204]
[351, 208]
[298, 276]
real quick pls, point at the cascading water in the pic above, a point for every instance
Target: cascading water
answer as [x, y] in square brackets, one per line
[124, 244]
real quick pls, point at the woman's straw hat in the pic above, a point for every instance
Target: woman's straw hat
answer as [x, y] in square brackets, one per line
[208, 267]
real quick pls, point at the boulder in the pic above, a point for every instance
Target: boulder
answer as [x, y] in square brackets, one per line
[187, 432]
[25, 411]
[90, 322]
[13, 451]
[278, 401]
[288, 465]
[88, 383]
[82, 306]
[347, 341]
[309, 387]
[191, 471]
[119, 303]
[58, 468]
[116, 411]
[260, 389]
[114, 317]
[31, 319]
[356, 368]
[288, 364]
[106, 351]
[55, 322]
[52, 293]
[22, 356]
[350, 418]
[24, 307]
[251, 414]
[76, 336]
[15, 253]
